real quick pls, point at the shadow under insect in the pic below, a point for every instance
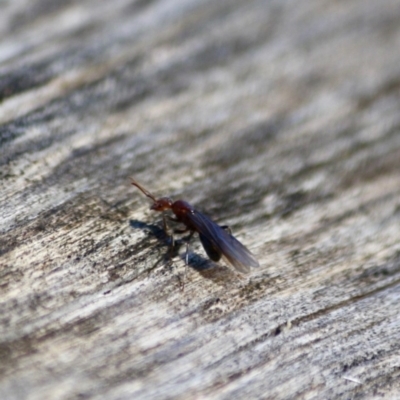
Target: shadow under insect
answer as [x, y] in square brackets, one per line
[173, 246]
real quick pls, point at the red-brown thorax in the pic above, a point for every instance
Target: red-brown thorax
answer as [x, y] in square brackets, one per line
[181, 208]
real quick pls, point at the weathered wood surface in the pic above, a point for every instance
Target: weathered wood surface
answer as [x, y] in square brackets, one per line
[279, 118]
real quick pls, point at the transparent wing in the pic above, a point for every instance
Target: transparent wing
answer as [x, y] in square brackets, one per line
[216, 240]
[210, 249]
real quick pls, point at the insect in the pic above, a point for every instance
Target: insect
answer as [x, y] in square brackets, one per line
[217, 240]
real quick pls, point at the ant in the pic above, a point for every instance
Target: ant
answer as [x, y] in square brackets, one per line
[217, 240]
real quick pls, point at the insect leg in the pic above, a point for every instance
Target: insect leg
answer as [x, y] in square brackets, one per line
[187, 248]
[171, 236]
[187, 256]
[181, 230]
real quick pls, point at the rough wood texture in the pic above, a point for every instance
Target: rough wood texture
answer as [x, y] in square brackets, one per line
[279, 118]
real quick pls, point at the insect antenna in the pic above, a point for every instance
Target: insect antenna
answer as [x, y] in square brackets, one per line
[141, 188]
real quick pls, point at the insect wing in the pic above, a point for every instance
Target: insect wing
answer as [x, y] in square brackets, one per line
[219, 241]
[210, 249]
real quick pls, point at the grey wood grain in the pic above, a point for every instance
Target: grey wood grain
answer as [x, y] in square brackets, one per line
[278, 118]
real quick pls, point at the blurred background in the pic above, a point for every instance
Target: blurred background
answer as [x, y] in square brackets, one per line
[278, 118]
